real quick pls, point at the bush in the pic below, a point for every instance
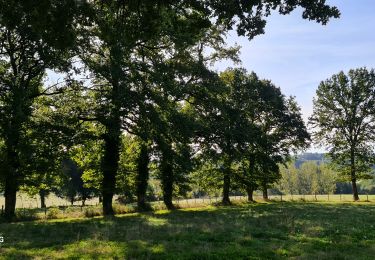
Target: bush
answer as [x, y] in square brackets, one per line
[92, 212]
[53, 213]
[25, 215]
[122, 209]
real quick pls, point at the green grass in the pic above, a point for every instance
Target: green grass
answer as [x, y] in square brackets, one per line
[249, 231]
[25, 201]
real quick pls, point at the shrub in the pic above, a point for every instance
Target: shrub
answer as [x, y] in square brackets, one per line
[53, 213]
[122, 209]
[25, 215]
[92, 212]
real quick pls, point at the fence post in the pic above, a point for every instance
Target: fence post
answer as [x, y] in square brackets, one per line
[2, 209]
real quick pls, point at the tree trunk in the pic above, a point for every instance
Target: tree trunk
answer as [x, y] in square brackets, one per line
[226, 185]
[353, 175]
[167, 184]
[109, 166]
[42, 195]
[11, 177]
[355, 190]
[142, 177]
[250, 188]
[265, 192]
[250, 192]
[10, 193]
[112, 137]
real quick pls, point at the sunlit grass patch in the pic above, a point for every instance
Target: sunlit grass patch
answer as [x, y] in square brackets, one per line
[271, 230]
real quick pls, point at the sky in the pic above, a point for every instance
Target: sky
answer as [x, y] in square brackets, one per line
[296, 54]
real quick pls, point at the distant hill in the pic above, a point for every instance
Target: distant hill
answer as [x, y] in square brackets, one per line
[316, 157]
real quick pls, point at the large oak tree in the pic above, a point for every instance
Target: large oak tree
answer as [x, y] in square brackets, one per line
[344, 121]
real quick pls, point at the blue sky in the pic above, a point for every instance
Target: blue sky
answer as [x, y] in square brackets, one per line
[297, 54]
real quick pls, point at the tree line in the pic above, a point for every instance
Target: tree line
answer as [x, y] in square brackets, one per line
[139, 95]
[310, 178]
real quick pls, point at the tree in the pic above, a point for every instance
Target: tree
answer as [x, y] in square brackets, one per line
[284, 133]
[288, 183]
[72, 186]
[264, 127]
[86, 155]
[174, 156]
[133, 171]
[121, 64]
[327, 179]
[26, 51]
[225, 124]
[308, 178]
[344, 120]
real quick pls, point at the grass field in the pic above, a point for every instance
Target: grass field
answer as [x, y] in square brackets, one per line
[25, 201]
[59, 209]
[302, 230]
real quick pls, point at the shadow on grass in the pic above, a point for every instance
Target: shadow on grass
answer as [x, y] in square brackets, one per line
[260, 230]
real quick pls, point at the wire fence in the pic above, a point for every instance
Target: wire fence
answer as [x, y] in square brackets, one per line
[24, 201]
[291, 198]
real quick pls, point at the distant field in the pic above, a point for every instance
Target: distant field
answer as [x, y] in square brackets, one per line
[301, 230]
[24, 201]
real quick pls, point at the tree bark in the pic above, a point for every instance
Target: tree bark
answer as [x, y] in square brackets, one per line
[265, 192]
[355, 190]
[11, 174]
[10, 193]
[167, 183]
[42, 195]
[353, 175]
[226, 185]
[109, 166]
[250, 192]
[142, 177]
[250, 188]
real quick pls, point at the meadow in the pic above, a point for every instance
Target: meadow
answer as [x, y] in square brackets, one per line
[263, 230]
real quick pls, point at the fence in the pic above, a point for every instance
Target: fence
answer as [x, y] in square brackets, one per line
[23, 201]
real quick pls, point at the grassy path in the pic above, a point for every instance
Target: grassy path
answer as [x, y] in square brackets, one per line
[258, 231]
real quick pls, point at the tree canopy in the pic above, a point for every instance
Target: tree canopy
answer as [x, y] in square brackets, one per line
[344, 117]
[141, 63]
